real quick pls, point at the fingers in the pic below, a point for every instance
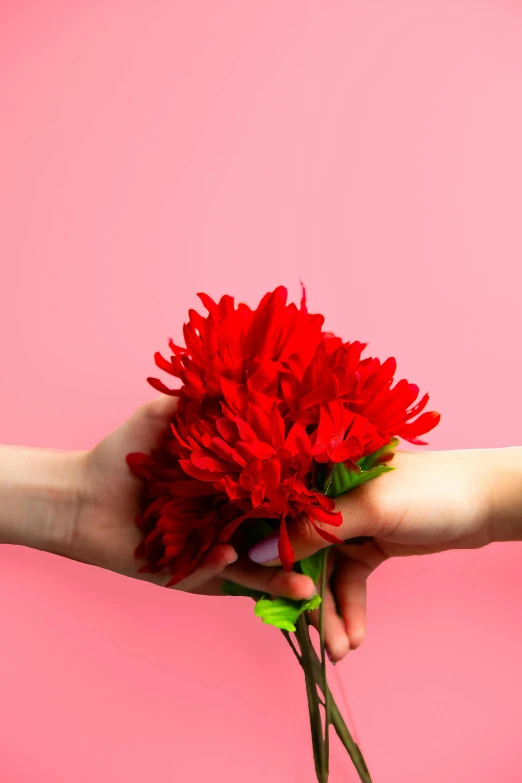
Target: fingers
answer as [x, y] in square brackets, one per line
[358, 520]
[350, 592]
[150, 422]
[335, 635]
[221, 565]
[354, 566]
[142, 432]
[214, 564]
[161, 407]
[273, 581]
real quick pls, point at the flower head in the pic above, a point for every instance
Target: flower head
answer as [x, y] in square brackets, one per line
[266, 397]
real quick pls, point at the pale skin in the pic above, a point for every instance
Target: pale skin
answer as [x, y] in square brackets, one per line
[432, 502]
[81, 505]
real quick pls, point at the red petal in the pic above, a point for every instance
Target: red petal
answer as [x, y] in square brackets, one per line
[160, 386]
[260, 423]
[140, 465]
[327, 536]
[325, 429]
[278, 426]
[193, 384]
[418, 408]
[255, 450]
[154, 508]
[258, 495]
[190, 489]
[265, 375]
[231, 528]
[201, 475]
[271, 473]
[227, 429]
[178, 436]
[425, 423]
[162, 363]
[289, 389]
[322, 515]
[246, 433]
[234, 394]
[279, 501]
[209, 303]
[350, 449]
[176, 349]
[209, 463]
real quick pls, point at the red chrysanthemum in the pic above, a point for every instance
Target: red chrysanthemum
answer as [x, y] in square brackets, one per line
[265, 396]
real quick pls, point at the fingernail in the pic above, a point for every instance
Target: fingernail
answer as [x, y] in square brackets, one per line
[232, 558]
[265, 551]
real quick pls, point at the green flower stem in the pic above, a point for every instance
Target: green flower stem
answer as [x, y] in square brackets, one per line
[325, 689]
[311, 663]
[316, 728]
[339, 724]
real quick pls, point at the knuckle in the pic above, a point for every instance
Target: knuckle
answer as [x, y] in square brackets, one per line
[305, 532]
[368, 513]
[277, 579]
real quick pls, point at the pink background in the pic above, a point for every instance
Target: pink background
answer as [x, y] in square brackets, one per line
[149, 150]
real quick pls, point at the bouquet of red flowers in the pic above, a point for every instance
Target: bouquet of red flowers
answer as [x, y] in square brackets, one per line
[275, 418]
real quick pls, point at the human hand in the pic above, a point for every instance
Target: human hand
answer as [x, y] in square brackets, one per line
[82, 505]
[432, 502]
[105, 535]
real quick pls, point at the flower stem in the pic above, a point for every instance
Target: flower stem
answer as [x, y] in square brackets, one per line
[312, 667]
[325, 689]
[307, 663]
[339, 724]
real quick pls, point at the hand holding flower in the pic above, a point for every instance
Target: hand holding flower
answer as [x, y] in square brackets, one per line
[432, 502]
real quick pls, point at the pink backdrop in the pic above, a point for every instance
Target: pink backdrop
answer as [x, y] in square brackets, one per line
[149, 150]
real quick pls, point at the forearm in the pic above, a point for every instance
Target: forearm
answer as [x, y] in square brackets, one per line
[38, 497]
[504, 469]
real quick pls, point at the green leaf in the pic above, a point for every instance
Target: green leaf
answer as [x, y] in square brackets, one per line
[312, 566]
[343, 480]
[279, 612]
[369, 462]
[282, 612]
[231, 588]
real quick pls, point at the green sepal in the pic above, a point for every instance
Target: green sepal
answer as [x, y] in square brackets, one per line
[369, 462]
[282, 612]
[343, 479]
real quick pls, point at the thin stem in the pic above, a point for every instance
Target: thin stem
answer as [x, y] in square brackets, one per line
[316, 729]
[339, 724]
[326, 690]
[336, 718]
[292, 645]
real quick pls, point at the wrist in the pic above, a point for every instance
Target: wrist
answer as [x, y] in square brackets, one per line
[504, 493]
[39, 497]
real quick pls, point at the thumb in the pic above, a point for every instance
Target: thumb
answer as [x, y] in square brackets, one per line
[160, 408]
[358, 526]
[143, 431]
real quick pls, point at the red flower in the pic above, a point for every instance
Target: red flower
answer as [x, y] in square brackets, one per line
[265, 394]
[245, 346]
[219, 469]
[351, 405]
